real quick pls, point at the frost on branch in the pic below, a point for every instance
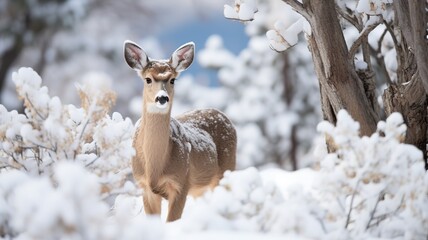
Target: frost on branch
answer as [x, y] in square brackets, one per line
[373, 7]
[243, 10]
[50, 132]
[282, 37]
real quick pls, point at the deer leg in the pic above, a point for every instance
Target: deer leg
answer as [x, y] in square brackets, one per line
[176, 204]
[152, 202]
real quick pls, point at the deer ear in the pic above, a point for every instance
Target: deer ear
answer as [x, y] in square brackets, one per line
[134, 55]
[182, 58]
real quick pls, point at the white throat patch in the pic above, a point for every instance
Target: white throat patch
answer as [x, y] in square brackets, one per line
[153, 108]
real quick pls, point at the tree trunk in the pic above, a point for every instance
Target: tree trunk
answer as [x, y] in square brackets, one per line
[409, 95]
[7, 59]
[289, 92]
[409, 100]
[340, 86]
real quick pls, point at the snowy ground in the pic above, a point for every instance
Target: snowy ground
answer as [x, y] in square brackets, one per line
[284, 181]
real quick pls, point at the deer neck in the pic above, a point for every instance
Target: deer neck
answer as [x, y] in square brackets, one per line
[155, 133]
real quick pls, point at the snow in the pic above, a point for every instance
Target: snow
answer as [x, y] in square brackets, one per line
[282, 37]
[373, 7]
[214, 54]
[246, 11]
[243, 10]
[229, 12]
[361, 65]
[190, 131]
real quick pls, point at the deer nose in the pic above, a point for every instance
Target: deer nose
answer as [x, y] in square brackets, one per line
[162, 99]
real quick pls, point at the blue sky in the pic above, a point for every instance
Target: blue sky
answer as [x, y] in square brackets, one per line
[198, 30]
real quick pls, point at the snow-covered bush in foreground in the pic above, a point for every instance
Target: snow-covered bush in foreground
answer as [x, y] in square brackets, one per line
[370, 187]
[249, 201]
[49, 131]
[374, 186]
[66, 206]
[32, 144]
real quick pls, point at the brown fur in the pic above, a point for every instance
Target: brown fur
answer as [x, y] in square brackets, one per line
[177, 157]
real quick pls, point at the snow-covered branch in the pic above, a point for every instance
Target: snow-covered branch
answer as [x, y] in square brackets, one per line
[282, 37]
[243, 10]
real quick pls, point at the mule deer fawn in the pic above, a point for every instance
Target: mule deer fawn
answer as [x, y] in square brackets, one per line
[175, 156]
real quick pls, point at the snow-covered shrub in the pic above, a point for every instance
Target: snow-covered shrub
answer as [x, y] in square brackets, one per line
[60, 167]
[66, 206]
[49, 131]
[240, 202]
[249, 201]
[371, 187]
[374, 186]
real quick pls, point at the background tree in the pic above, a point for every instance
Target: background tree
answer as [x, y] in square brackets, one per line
[78, 37]
[272, 98]
[29, 23]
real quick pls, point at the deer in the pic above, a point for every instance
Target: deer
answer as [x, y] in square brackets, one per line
[181, 156]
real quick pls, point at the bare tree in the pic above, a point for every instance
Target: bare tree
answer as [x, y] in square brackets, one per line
[343, 86]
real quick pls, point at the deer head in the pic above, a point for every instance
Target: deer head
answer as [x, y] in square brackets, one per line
[158, 75]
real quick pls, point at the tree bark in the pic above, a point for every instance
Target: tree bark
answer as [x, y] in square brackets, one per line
[417, 12]
[289, 90]
[410, 100]
[409, 95]
[340, 86]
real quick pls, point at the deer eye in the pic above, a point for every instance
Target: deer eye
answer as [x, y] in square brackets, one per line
[148, 80]
[172, 81]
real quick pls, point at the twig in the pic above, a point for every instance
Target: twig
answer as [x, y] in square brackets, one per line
[84, 128]
[92, 161]
[320, 220]
[32, 106]
[348, 218]
[391, 32]
[298, 7]
[381, 195]
[16, 161]
[363, 34]
[351, 19]
[8, 166]
[379, 43]
[380, 61]
[37, 146]
[89, 114]
[382, 217]
[340, 204]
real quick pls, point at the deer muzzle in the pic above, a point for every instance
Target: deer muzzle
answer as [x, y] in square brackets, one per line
[162, 99]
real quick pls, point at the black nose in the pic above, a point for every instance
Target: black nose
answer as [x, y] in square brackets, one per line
[162, 99]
